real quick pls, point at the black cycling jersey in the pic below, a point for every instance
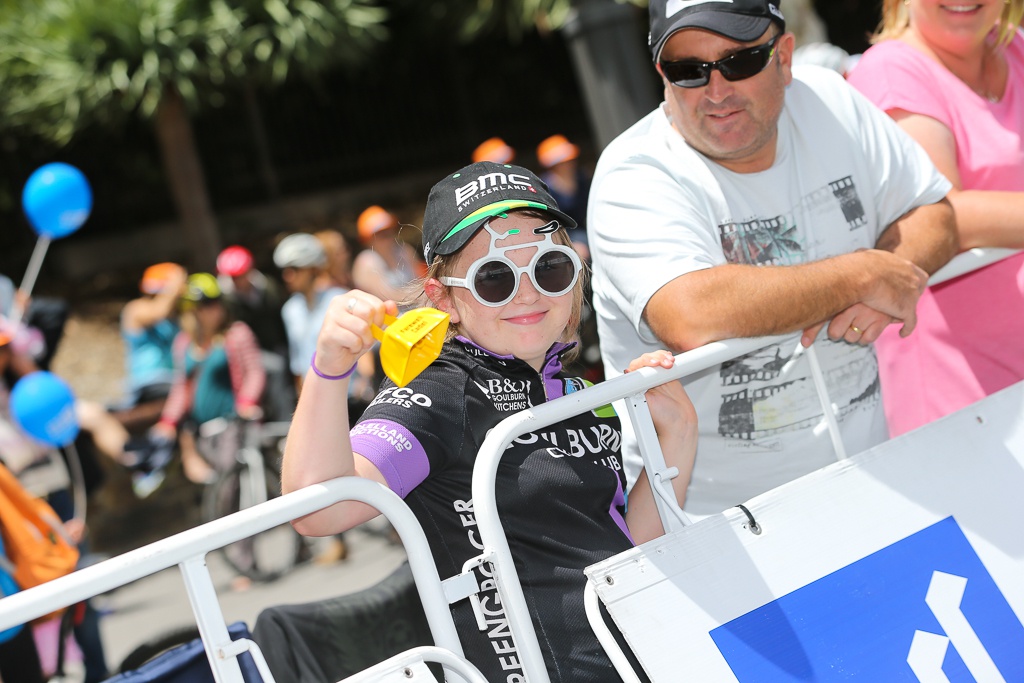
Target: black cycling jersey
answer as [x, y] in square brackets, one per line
[559, 492]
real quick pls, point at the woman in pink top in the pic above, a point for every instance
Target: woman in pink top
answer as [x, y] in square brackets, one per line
[952, 76]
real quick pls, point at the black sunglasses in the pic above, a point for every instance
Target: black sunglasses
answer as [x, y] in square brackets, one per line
[693, 73]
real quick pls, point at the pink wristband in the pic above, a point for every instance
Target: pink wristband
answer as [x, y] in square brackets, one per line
[312, 364]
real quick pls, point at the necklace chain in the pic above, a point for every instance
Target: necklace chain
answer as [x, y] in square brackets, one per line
[985, 91]
[982, 88]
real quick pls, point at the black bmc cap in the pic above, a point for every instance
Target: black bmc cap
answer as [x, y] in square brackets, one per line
[462, 202]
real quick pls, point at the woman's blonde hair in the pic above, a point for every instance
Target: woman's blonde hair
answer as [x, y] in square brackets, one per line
[444, 266]
[896, 19]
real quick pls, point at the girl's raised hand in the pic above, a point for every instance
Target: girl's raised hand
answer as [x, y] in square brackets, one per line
[345, 334]
[670, 407]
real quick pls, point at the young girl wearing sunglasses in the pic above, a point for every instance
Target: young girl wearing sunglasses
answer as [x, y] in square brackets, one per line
[502, 265]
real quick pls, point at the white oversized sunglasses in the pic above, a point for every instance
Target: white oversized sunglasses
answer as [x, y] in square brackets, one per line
[494, 280]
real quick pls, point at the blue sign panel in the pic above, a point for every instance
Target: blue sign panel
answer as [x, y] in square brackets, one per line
[924, 610]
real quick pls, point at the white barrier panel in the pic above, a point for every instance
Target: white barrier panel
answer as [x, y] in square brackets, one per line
[969, 261]
[903, 563]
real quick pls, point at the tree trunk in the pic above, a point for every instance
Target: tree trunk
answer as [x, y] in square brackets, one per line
[261, 142]
[188, 185]
[617, 78]
[264, 159]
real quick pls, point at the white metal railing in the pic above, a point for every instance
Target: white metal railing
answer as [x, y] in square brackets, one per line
[187, 549]
[630, 387]
[408, 666]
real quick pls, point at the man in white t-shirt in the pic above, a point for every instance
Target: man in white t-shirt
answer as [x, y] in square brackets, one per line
[759, 200]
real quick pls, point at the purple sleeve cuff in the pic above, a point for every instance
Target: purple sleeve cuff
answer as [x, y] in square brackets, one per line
[618, 504]
[393, 450]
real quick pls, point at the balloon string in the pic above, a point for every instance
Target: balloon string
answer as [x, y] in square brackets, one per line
[77, 481]
[29, 281]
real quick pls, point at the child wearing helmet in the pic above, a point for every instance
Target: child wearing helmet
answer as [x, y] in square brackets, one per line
[218, 373]
[148, 327]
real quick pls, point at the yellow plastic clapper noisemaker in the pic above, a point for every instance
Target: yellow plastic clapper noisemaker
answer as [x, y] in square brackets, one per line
[411, 342]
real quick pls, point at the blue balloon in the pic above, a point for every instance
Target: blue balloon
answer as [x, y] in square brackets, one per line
[43, 405]
[57, 200]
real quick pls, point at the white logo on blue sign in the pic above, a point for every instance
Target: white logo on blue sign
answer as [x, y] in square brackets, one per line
[922, 610]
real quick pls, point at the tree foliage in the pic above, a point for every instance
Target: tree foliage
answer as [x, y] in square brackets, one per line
[474, 18]
[67, 63]
[514, 16]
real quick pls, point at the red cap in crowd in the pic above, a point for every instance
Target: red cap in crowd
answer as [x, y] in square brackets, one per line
[234, 261]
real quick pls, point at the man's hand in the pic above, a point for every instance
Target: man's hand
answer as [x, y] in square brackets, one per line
[897, 285]
[894, 287]
[858, 324]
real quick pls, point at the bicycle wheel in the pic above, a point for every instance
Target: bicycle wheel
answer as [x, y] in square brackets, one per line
[267, 555]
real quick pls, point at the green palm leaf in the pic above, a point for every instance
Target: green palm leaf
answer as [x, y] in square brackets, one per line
[66, 63]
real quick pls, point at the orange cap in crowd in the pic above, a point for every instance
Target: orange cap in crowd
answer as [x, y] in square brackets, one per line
[373, 220]
[6, 331]
[555, 150]
[494, 149]
[156, 277]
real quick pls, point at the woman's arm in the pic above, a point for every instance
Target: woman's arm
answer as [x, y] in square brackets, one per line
[177, 402]
[245, 365]
[983, 218]
[141, 313]
[675, 420]
[318, 447]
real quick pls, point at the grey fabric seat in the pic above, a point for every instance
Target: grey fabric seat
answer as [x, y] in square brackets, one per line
[325, 641]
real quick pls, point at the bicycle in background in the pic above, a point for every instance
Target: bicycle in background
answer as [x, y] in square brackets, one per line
[245, 455]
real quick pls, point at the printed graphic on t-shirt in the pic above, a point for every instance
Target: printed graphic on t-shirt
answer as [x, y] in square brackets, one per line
[780, 240]
[770, 391]
[762, 242]
[577, 443]
[846, 192]
[499, 634]
[480, 353]
[758, 403]
[507, 395]
[574, 384]
[403, 397]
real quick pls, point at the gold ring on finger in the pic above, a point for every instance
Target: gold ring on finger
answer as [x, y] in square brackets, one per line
[856, 329]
